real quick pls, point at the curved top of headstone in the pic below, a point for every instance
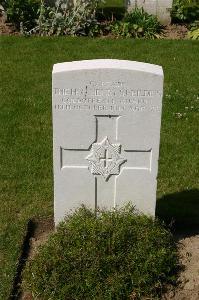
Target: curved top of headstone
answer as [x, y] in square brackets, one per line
[108, 64]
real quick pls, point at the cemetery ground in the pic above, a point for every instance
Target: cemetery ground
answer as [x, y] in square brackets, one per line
[26, 135]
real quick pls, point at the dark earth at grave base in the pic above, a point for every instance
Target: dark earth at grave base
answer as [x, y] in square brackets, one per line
[7, 28]
[188, 245]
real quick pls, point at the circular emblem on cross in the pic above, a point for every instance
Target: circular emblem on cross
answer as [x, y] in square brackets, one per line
[105, 158]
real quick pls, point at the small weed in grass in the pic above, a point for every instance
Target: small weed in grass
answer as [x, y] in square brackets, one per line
[114, 255]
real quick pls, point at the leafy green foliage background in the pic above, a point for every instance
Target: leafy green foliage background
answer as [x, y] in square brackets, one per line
[185, 10]
[18, 11]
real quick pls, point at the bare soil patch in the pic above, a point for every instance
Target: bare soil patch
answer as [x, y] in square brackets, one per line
[7, 28]
[43, 228]
[175, 32]
[188, 281]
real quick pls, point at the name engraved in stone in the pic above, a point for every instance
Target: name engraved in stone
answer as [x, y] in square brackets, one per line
[103, 92]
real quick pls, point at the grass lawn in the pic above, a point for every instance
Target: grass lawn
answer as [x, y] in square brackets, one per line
[26, 182]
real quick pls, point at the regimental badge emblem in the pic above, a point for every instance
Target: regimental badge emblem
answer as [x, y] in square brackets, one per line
[105, 159]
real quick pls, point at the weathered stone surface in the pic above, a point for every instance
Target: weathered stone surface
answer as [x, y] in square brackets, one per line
[106, 124]
[159, 8]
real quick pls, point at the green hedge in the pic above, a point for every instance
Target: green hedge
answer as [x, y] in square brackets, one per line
[185, 11]
[21, 11]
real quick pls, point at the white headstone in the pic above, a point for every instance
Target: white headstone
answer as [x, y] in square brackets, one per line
[106, 132]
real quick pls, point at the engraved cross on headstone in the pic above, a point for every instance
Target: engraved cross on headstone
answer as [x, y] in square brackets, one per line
[106, 159]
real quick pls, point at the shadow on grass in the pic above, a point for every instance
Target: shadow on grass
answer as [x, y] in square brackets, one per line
[180, 209]
[16, 290]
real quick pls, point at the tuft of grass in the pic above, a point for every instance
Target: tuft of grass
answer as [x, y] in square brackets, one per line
[112, 255]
